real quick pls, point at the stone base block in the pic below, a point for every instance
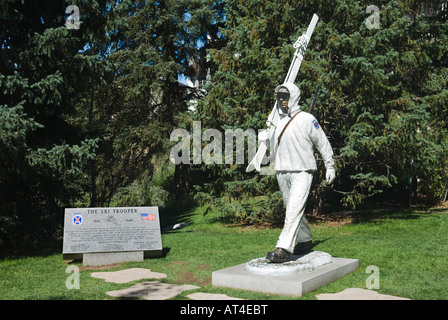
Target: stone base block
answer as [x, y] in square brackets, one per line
[105, 258]
[238, 277]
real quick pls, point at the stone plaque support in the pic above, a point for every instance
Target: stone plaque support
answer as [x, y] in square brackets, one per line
[104, 258]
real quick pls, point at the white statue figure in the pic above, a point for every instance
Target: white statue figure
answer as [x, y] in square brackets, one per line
[297, 133]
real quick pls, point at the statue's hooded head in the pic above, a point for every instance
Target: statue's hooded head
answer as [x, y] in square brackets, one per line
[288, 92]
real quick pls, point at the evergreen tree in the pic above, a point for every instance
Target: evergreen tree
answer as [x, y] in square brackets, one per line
[153, 42]
[383, 95]
[44, 72]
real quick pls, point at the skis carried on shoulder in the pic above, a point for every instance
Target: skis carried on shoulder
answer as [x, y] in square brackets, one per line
[300, 45]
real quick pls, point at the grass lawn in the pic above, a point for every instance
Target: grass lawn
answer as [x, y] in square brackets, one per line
[409, 248]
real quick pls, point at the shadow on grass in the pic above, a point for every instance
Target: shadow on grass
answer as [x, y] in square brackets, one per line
[368, 216]
[177, 212]
[43, 248]
[165, 251]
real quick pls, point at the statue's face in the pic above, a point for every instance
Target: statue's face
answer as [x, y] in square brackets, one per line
[284, 100]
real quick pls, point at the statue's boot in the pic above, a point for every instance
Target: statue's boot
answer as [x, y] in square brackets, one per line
[303, 248]
[279, 255]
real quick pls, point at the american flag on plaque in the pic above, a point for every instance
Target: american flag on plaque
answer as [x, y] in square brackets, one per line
[148, 216]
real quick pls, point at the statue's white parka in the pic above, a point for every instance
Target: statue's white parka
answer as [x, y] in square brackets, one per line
[296, 149]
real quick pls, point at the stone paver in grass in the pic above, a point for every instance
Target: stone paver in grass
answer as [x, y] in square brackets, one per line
[357, 294]
[210, 296]
[151, 290]
[128, 275]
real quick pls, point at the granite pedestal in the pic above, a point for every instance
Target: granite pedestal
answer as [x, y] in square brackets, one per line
[294, 284]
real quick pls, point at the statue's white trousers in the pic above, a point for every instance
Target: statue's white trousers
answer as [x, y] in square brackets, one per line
[295, 187]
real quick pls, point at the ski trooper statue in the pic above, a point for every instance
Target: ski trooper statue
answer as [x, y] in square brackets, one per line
[296, 135]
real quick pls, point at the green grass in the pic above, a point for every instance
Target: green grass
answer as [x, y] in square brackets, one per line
[408, 247]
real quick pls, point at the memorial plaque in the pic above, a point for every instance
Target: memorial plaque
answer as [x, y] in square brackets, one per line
[101, 230]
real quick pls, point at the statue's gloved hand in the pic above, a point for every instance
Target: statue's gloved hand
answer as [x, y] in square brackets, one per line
[263, 135]
[330, 175]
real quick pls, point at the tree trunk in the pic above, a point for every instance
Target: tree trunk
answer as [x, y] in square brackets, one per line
[318, 190]
[93, 201]
[182, 180]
